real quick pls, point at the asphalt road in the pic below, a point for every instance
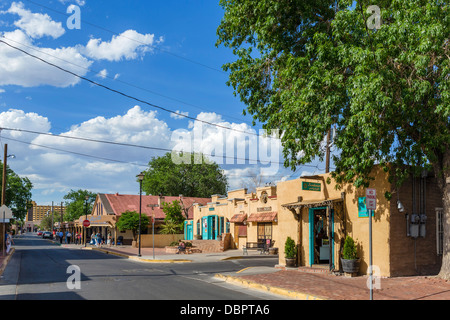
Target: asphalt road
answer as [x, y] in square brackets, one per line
[41, 270]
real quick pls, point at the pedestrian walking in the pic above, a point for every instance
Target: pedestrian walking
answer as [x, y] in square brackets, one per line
[68, 237]
[9, 241]
[61, 236]
[108, 240]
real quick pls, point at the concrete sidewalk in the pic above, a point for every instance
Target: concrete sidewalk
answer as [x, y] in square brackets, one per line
[292, 282]
[301, 285]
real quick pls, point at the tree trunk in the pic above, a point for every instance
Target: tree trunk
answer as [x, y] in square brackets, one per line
[445, 268]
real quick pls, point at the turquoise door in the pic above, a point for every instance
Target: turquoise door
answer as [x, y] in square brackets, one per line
[189, 231]
[205, 233]
[311, 235]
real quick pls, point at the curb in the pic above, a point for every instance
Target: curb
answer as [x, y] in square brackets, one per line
[276, 290]
[5, 262]
[137, 258]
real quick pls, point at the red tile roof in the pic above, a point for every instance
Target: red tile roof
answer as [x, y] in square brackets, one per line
[123, 202]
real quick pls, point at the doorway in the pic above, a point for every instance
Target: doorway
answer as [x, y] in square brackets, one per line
[321, 247]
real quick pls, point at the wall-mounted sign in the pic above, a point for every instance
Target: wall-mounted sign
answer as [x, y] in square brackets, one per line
[211, 209]
[311, 186]
[264, 209]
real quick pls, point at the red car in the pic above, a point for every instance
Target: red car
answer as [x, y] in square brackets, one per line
[39, 233]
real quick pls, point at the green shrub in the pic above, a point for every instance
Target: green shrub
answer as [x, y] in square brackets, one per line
[289, 248]
[349, 252]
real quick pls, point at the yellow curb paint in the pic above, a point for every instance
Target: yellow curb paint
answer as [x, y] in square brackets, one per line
[276, 290]
[244, 269]
[140, 259]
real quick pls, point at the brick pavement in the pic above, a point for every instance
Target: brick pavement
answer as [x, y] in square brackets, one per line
[334, 287]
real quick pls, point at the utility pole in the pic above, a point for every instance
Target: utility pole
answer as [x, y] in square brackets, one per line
[3, 197]
[327, 160]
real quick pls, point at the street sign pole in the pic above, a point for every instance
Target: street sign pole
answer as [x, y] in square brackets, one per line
[153, 206]
[370, 255]
[371, 205]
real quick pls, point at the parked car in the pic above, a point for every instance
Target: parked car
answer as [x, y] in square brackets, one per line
[39, 233]
[47, 235]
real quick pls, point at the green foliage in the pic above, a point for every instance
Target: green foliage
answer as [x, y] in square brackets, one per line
[290, 248]
[189, 179]
[76, 204]
[349, 251]
[171, 227]
[17, 193]
[305, 66]
[129, 220]
[173, 211]
[174, 219]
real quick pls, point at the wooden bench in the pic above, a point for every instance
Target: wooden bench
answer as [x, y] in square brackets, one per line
[253, 246]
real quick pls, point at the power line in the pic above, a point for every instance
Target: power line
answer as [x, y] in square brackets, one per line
[124, 82]
[129, 96]
[75, 153]
[135, 40]
[124, 144]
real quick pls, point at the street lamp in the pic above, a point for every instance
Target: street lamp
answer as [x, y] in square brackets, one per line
[85, 228]
[140, 176]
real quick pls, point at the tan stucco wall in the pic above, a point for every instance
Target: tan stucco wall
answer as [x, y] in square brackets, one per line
[356, 227]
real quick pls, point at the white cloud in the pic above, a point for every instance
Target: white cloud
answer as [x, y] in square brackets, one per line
[20, 69]
[103, 74]
[128, 45]
[78, 2]
[35, 25]
[179, 115]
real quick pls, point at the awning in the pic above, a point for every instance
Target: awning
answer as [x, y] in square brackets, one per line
[263, 217]
[98, 221]
[238, 218]
[312, 203]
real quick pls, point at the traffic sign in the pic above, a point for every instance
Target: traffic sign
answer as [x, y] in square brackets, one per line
[86, 223]
[371, 199]
[6, 212]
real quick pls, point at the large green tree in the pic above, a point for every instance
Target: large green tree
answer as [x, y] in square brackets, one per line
[305, 66]
[76, 205]
[189, 179]
[17, 194]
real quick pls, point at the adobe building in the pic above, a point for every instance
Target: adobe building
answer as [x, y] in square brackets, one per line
[247, 217]
[310, 210]
[405, 241]
[108, 208]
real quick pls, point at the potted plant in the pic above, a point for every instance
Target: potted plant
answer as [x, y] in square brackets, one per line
[349, 260]
[290, 252]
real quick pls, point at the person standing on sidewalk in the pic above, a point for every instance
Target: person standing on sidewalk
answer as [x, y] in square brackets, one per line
[108, 240]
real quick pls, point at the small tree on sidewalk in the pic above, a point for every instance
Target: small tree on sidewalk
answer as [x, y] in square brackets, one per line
[129, 220]
[174, 218]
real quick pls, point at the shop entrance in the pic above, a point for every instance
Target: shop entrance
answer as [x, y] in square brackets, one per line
[320, 252]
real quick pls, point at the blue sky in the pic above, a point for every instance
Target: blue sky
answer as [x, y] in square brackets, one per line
[162, 52]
